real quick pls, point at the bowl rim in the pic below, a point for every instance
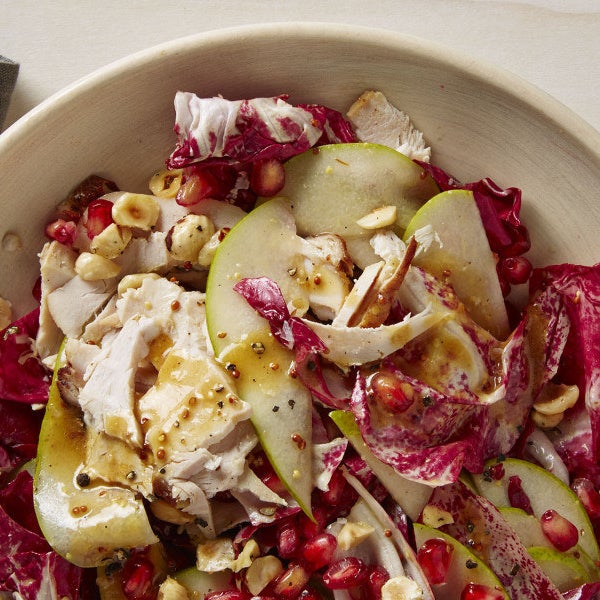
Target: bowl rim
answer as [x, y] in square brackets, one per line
[505, 81]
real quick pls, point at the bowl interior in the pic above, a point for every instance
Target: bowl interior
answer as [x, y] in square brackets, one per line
[479, 120]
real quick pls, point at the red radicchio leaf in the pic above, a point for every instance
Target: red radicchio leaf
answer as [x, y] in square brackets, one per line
[530, 359]
[243, 130]
[22, 376]
[335, 128]
[578, 288]
[265, 297]
[18, 435]
[588, 591]
[28, 565]
[432, 442]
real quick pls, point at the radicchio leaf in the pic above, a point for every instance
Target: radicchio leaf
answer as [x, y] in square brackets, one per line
[249, 130]
[18, 435]
[28, 565]
[22, 376]
[430, 442]
[428, 414]
[577, 288]
[588, 591]
[335, 128]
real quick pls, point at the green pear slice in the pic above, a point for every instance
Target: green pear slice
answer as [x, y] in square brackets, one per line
[464, 567]
[462, 255]
[564, 570]
[334, 186]
[529, 530]
[412, 496]
[264, 243]
[545, 491]
[85, 525]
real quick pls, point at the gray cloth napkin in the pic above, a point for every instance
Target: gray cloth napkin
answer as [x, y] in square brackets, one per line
[8, 78]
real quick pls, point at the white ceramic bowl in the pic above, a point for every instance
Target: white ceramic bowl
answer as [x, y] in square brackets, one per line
[480, 121]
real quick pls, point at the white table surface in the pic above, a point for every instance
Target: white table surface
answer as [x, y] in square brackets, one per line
[554, 44]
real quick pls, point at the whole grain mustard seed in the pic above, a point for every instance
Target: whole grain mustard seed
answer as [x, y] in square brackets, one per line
[131, 475]
[222, 334]
[79, 510]
[160, 454]
[258, 347]
[299, 441]
[175, 305]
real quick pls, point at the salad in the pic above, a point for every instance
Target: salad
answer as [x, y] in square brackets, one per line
[308, 364]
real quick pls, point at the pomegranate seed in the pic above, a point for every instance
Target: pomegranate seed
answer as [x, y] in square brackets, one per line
[318, 551]
[378, 576]
[291, 582]
[434, 558]
[476, 591]
[201, 183]
[62, 231]
[560, 531]
[345, 573]
[588, 496]
[267, 177]
[388, 392]
[337, 491]
[311, 528]
[516, 269]
[516, 496]
[288, 539]
[138, 581]
[99, 217]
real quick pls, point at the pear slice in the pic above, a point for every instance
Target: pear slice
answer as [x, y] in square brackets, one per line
[264, 243]
[333, 187]
[564, 570]
[529, 530]
[464, 567]
[85, 525]
[461, 253]
[545, 491]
